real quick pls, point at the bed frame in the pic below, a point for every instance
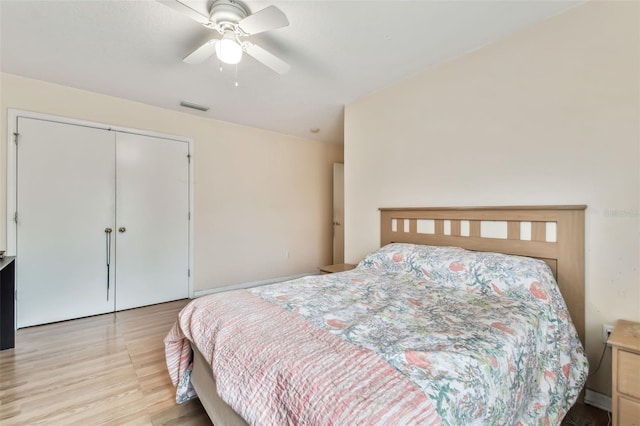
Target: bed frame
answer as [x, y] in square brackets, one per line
[554, 234]
[220, 413]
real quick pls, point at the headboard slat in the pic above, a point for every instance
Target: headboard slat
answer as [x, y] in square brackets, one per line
[455, 228]
[474, 228]
[513, 230]
[539, 231]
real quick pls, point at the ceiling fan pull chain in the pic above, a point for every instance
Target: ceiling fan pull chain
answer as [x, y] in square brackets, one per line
[236, 75]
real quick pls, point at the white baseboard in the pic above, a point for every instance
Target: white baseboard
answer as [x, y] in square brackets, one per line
[598, 400]
[250, 284]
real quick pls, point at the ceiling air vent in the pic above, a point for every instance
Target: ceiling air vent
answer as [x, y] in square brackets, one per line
[194, 106]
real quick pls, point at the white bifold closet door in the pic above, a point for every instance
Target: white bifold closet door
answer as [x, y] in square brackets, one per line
[152, 260]
[65, 200]
[73, 183]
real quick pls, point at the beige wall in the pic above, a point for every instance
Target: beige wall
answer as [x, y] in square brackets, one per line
[258, 194]
[549, 115]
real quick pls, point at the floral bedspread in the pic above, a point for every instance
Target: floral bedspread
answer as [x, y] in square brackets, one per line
[487, 337]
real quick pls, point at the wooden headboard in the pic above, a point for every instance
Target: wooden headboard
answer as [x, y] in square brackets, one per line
[554, 234]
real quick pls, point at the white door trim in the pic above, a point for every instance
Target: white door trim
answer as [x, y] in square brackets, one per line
[12, 122]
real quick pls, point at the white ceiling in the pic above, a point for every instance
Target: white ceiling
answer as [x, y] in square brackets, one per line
[338, 51]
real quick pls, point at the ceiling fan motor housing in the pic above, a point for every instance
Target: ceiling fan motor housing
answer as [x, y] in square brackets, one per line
[228, 12]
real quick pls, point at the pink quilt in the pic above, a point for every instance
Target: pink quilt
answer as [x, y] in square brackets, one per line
[273, 367]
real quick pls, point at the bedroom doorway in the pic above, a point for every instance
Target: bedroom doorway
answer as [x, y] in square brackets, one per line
[338, 213]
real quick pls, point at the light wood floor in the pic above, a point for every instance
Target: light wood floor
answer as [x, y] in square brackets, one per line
[110, 369]
[107, 369]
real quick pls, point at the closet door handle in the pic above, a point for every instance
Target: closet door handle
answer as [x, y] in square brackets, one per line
[107, 233]
[122, 230]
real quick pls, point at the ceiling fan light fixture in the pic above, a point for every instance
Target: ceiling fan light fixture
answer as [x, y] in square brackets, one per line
[228, 50]
[231, 20]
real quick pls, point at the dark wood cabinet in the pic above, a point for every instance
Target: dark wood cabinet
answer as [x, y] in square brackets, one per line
[7, 303]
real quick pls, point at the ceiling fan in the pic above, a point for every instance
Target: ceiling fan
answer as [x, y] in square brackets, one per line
[233, 21]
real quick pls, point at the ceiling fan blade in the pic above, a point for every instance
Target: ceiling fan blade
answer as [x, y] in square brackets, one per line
[186, 10]
[266, 19]
[268, 59]
[202, 53]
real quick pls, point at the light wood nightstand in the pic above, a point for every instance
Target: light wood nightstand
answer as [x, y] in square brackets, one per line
[625, 387]
[340, 267]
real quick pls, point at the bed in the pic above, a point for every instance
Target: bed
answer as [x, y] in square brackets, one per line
[463, 316]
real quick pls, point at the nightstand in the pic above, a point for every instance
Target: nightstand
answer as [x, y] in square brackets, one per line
[340, 267]
[7, 303]
[625, 387]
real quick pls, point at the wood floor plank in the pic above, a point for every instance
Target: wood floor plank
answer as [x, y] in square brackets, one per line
[107, 370]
